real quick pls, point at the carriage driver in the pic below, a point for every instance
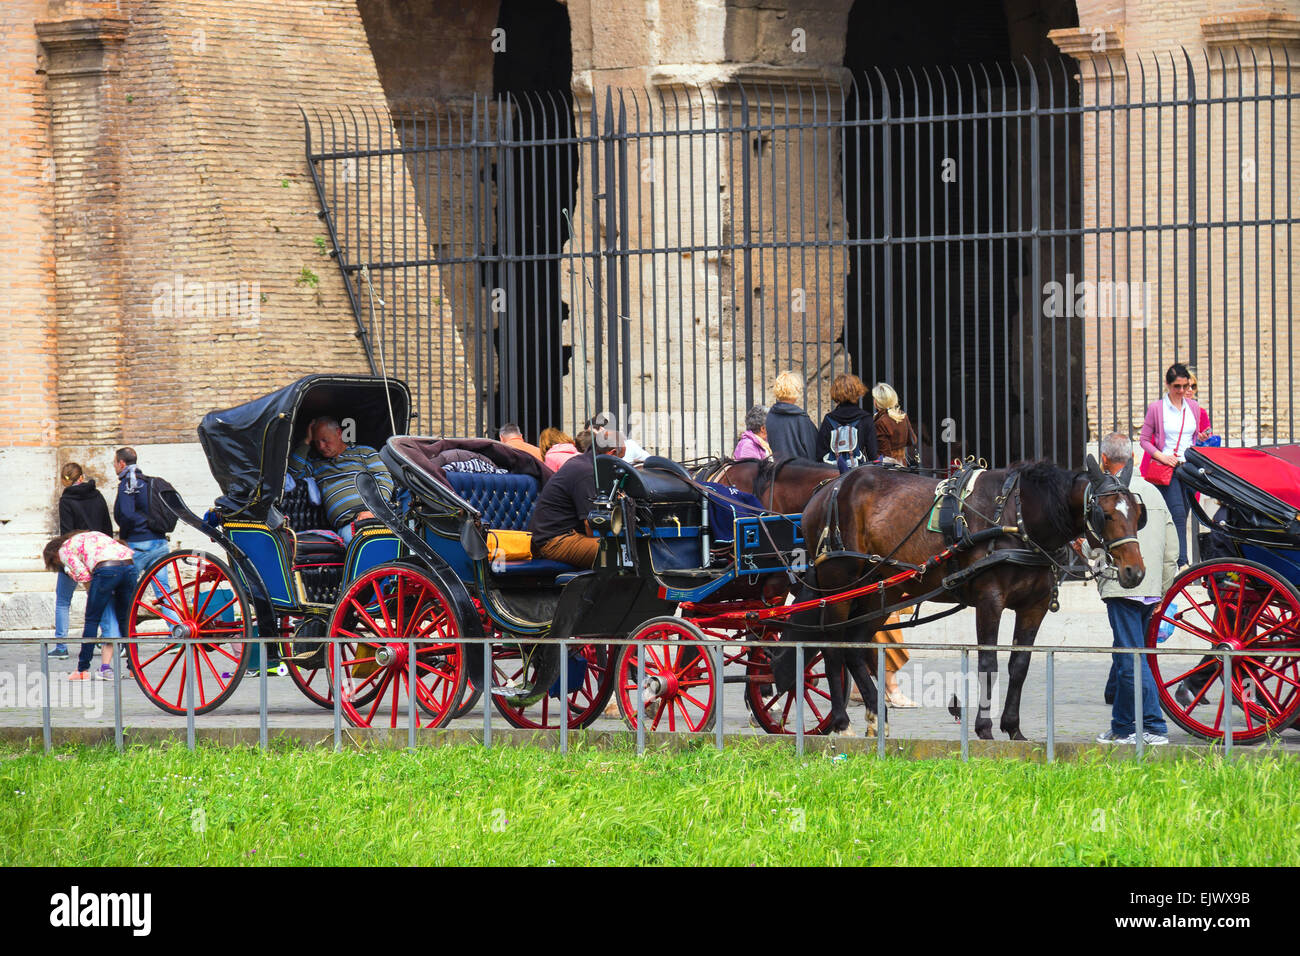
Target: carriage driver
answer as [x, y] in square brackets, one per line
[559, 523]
[334, 468]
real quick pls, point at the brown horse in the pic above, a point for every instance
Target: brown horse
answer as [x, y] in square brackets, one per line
[876, 507]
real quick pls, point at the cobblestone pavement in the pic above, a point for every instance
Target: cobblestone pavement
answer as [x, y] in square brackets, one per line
[929, 678]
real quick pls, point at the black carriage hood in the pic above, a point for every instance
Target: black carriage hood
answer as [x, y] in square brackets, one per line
[248, 446]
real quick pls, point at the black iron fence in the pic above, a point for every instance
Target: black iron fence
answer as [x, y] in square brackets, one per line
[1021, 251]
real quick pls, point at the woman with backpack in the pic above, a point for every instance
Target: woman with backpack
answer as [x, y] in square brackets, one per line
[847, 437]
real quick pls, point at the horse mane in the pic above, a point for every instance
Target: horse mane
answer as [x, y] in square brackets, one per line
[1049, 487]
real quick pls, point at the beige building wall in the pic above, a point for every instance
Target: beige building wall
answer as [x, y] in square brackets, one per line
[1242, 267]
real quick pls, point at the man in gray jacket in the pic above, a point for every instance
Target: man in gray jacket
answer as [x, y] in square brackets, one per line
[1130, 610]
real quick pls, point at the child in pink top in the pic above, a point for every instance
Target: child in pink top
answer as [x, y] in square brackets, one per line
[105, 566]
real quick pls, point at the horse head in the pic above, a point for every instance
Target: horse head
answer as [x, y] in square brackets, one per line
[1113, 515]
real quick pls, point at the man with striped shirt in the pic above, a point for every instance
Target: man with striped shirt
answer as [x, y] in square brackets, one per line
[335, 471]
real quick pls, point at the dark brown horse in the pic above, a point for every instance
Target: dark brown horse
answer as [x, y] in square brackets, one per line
[877, 507]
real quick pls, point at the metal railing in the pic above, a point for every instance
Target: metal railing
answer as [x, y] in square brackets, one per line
[715, 648]
[1021, 250]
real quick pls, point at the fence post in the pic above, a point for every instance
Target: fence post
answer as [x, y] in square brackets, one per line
[261, 693]
[191, 659]
[798, 700]
[410, 694]
[965, 704]
[1051, 704]
[719, 661]
[640, 697]
[881, 707]
[487, 690]
[46, 734]
[336, 661]
[117, 696]
[1227, 705]
[564, 696]
[1139, 727]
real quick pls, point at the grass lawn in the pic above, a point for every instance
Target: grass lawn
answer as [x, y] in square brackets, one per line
[750, 805]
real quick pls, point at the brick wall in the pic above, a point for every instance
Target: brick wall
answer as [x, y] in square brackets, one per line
[28, 413]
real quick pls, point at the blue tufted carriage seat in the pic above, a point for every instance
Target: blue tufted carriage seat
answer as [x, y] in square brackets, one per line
[505, 501]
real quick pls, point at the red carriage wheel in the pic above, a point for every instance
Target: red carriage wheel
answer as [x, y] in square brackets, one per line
[306, 660]
[182, 595]
[679, 677]
[587, 699]
[1229, 605]
[377, 615]
[776, 711]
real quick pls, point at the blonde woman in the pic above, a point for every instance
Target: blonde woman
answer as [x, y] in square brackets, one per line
[894, 432]
[790, 432]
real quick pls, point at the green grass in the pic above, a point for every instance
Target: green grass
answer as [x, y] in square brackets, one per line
[749, 805]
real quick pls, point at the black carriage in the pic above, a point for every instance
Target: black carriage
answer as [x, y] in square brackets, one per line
[283, 567]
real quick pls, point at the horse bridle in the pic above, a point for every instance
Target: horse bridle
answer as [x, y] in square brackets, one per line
[1095, 518]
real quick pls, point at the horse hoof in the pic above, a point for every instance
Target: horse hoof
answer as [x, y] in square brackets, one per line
[1017, 735]
[846, 732]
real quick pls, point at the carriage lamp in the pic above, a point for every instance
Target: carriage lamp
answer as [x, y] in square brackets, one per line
[606, 518]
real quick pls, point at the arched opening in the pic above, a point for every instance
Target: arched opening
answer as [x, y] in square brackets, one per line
[940, 165]
[531, 78]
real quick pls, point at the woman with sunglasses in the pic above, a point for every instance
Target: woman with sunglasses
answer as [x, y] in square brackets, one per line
[1169, 429]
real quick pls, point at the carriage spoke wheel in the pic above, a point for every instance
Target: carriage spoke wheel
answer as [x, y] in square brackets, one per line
[306, 660]
[678, 684]
[776, 711]
[188, 594]
[376, 616]
[587, 698]
[1229, 605]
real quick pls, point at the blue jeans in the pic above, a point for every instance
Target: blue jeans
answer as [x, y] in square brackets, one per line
[63, 589]
[148, 550]
[1175, 496]
[111, 588]
[1128, 623]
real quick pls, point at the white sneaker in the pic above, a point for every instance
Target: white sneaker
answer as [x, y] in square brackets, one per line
[1109, 737]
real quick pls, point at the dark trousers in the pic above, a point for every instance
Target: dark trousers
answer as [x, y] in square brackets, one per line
[111, 586]
[1175, 496]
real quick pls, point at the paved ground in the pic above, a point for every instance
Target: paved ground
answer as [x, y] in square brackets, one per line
[930, 678]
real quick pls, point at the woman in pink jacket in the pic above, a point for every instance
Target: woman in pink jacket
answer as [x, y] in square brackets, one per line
[753, 443]
[1169, 429]
[556, 448]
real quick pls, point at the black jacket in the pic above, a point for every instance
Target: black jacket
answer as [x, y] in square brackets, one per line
[791, 432]
[849, 413]
[83, 508]
[132, 511]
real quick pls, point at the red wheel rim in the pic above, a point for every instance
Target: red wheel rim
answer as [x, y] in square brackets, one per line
[188, 594]
[1230, 606]
[684, 669]
[776, 711]
[586, 702]
[377, 615]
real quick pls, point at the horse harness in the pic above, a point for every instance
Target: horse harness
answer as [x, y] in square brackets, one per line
[951, 504]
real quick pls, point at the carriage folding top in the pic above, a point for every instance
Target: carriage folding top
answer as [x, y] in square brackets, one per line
[248, 446]
[1260, 487]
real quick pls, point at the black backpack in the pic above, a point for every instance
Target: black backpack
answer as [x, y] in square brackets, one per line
[160, 520]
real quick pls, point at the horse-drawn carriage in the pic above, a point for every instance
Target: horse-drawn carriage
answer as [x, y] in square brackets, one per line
[410, 602]
[1242, 597]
